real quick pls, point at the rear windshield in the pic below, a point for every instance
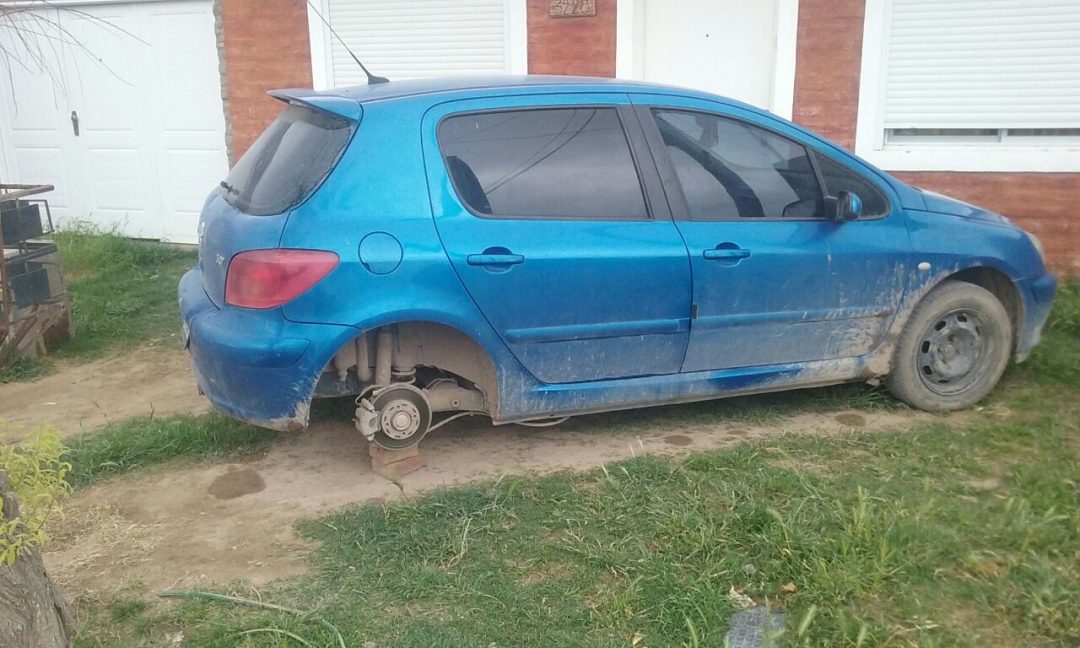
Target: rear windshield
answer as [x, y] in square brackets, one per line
[287, 162]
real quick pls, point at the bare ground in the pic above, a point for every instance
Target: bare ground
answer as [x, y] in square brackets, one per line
[83, 396]
[221, 522]
[185, 525]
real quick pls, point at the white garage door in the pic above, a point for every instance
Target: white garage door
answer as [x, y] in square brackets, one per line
[118, 106]
[409, 39]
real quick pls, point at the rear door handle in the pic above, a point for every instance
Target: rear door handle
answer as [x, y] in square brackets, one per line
[725, 254]
[495, 259]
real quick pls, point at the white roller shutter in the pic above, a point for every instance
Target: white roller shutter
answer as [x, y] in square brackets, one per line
[408, 39]
[983, 64]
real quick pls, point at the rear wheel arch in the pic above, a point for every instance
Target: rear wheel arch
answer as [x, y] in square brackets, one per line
[433, 343]
[449, 348]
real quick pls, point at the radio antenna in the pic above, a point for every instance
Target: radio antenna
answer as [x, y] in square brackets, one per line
[371, 78]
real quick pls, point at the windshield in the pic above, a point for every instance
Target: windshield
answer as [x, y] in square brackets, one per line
[288, 161]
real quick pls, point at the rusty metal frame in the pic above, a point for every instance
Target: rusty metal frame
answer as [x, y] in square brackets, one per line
[10, 341]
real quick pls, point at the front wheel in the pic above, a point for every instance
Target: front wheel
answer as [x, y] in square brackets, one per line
[953, 350]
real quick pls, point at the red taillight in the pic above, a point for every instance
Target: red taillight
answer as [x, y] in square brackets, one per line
[269, 278]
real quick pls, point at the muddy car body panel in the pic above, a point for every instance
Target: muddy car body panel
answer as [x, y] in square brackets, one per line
[541, 312]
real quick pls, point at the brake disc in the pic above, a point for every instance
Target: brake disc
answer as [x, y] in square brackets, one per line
[396, 417]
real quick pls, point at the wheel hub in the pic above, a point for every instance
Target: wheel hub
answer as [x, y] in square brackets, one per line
[395, 417]
[400, 419]
[952, 352]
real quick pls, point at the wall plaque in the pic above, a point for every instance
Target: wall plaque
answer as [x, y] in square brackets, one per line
[572, 8]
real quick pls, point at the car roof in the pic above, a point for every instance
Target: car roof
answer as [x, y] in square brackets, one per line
[419, 87]
[414, 87]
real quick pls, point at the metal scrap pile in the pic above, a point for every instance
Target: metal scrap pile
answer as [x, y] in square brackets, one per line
[34, 312]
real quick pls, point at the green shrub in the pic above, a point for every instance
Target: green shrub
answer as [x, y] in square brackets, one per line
[37, 473]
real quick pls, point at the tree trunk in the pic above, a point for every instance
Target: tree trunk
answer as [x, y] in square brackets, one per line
[33, 612]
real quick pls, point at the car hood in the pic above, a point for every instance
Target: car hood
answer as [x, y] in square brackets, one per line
[936, 202]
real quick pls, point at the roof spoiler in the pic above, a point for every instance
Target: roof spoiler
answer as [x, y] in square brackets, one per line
[332, 104]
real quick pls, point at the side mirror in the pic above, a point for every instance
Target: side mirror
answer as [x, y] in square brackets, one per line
[848, 207]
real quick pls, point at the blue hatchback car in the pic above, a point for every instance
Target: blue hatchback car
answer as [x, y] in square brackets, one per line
[530, 248]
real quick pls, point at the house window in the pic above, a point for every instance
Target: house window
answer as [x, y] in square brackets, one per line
[977, 85]
[415, 39]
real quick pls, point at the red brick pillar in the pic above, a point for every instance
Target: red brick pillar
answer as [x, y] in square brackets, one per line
[827, 67]
[264, 46]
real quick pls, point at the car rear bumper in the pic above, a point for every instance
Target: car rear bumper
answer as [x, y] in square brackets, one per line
[255, 365]
[1038, 294]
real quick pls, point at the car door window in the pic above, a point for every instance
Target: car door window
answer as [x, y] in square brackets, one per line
[838, 177]
[729, 169]
[569, 163]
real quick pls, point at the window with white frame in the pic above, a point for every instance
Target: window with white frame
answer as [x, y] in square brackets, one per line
[971, 85]
[416, 39]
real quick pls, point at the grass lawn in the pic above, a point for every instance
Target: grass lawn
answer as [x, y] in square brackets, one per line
[123, 294]
[962, 532]
[145, 442]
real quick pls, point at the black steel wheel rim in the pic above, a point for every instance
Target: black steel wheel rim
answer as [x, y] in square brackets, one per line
[954, 351]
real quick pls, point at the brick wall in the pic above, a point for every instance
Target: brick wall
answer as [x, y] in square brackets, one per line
[266, 47]
[827, 66]
[1042, 203]
[583, 46]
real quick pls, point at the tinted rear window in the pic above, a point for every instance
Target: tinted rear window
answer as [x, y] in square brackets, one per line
[288, 161]
[543, 163]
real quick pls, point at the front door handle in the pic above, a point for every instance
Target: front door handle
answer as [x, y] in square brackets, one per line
[75, 123]
[725, 254]
[496, 259]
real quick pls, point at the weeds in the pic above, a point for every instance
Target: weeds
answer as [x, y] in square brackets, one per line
[119, 448]
[123, 291]
[1065, 317]
[24, 369]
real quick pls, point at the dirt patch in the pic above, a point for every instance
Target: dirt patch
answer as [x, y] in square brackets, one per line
[850, 419]
[236, 483]
[170, 528]
[94, 536]
[80, 397]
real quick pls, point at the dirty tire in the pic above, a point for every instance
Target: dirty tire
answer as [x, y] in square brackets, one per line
[952, 350]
